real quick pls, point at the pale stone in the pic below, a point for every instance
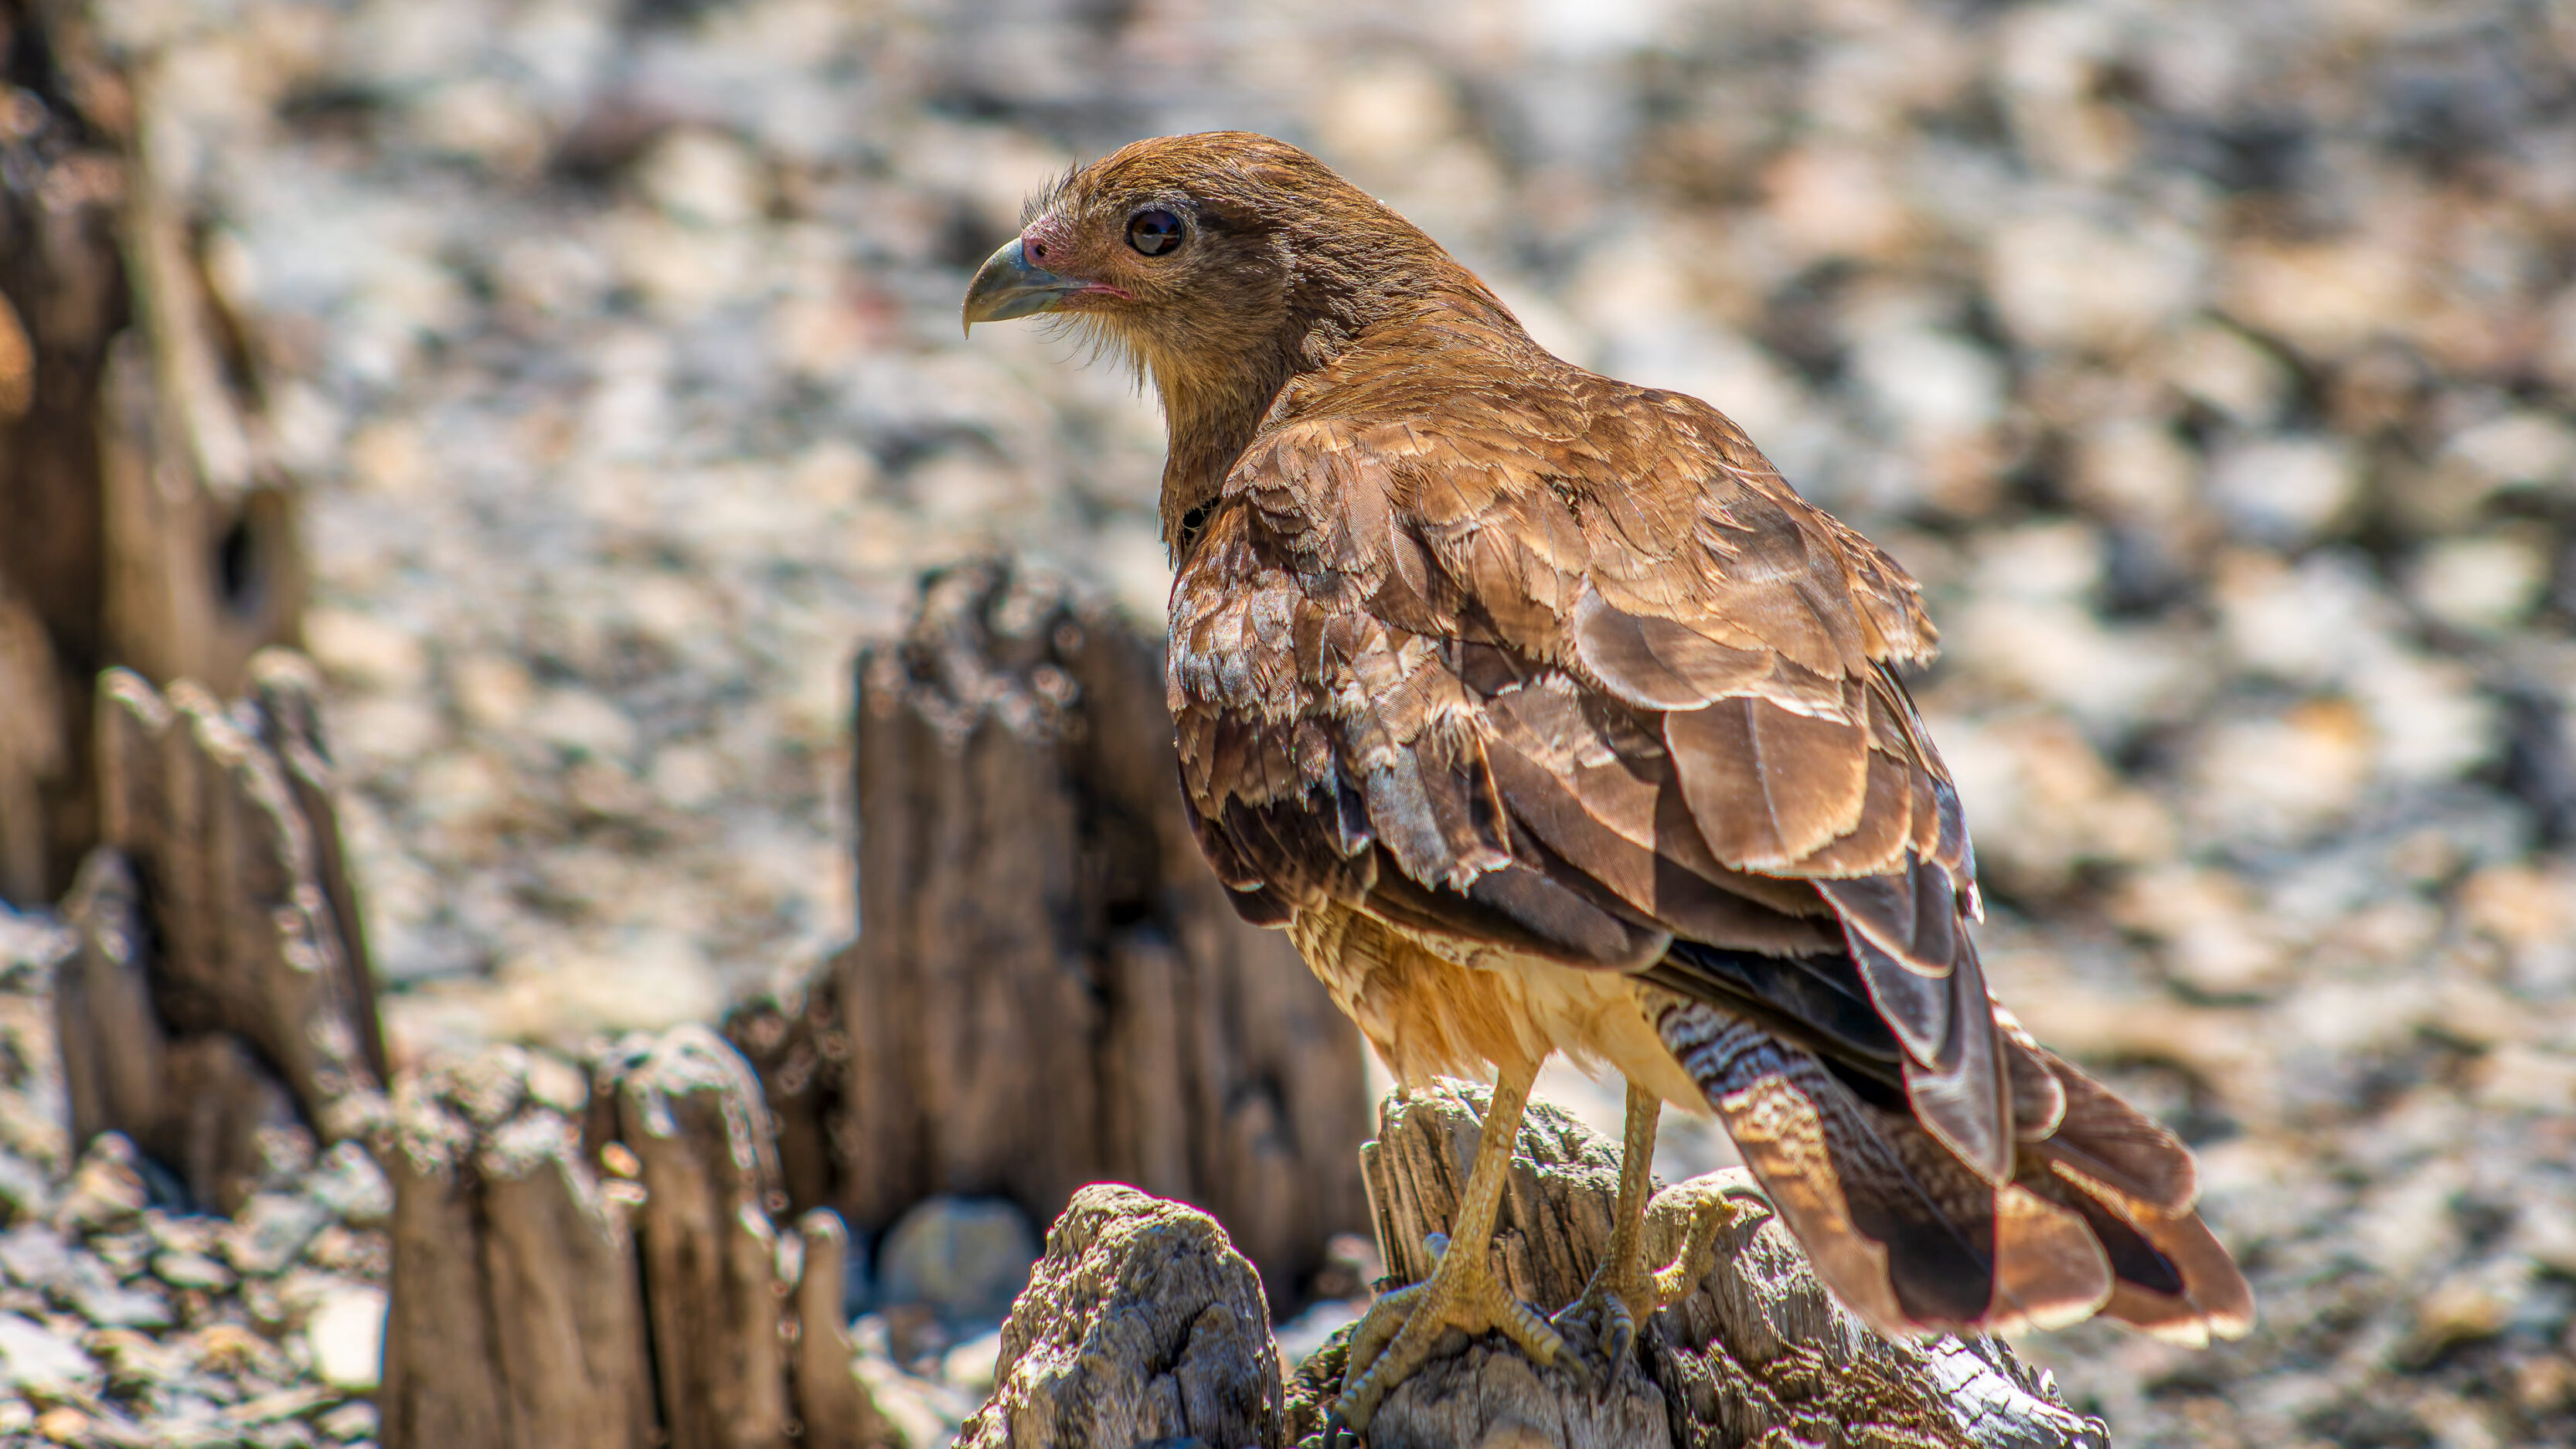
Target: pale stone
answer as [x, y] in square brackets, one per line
[2220, 367]
[364, 649]
[582, 723]
[965, 1258]
[2326, 298]
[2063, 280]
[703, 176]
[34, 1356]
[2488, 582]
[2284, 490]
[347, 1336]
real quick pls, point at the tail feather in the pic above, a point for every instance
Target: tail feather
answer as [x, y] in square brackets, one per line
[2170, 1277]
[2117, 1148]
[1906, 1234]
[2097, 1218]
[2038, 1097]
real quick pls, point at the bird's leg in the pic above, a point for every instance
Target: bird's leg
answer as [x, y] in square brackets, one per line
[1403, 1328]
[1622, 1290]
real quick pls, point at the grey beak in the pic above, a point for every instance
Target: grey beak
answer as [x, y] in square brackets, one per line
[1006, 286]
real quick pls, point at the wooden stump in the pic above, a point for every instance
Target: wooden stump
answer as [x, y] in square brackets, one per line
[516, 1318]
[1131, 1330]
[64, 300]
[802, 1056]
[35, 745]
[1049, 988]
[589, 1259]
[831, 1403]
[1760, 1347]
[218, 944]
[1140, 1325]
[690, 1110]
[151, 523]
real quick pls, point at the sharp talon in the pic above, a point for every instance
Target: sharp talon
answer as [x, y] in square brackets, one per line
[1437, 1245]
[1334, 1429]
[1623, 1340]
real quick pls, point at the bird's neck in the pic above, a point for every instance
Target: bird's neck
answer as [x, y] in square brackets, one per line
[1212, 412]
[1208, 420]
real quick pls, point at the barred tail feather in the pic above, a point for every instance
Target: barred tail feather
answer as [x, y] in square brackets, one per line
[1915, 1240]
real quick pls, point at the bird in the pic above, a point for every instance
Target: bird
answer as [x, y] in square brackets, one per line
[1547, 718]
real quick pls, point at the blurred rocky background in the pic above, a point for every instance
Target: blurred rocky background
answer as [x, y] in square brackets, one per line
[2211, 363]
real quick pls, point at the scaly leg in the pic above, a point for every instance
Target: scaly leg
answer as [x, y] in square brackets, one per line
[1622, 1291]
[1463, 1292]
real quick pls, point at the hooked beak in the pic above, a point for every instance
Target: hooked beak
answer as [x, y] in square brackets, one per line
[1007, 286]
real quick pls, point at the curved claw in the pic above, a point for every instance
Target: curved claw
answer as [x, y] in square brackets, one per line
[1601, 1318]
[1621, 1342]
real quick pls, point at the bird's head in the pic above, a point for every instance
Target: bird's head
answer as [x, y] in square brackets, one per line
[1221, 265]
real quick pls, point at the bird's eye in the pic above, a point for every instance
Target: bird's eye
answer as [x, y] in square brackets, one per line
[1154, 232]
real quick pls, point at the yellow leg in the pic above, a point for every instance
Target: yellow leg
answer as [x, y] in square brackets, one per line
[1622, 1291]
[1463, 1292]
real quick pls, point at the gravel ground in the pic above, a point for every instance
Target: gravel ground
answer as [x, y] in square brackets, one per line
[125, 1325]
[2210, 362]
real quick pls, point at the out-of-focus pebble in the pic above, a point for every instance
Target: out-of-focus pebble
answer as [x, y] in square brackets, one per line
[347, 1335]
[965, 1258]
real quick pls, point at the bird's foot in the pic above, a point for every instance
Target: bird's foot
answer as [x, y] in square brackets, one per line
[1676, 1280]
[1623, 1292]
[1403, 1330]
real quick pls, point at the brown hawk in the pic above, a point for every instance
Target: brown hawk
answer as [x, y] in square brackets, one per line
[1546, 717]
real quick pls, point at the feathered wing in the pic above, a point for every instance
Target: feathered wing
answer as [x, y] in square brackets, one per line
[1571, 673]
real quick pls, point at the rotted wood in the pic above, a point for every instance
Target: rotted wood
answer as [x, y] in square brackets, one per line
[219, 985]
[690, 1110]
[64, 124]
[1759, 1349]
[1049, 988]
[203, 568]
[286, 695]
[34, 753]
[832, 1405]
[588, 1258]
[798, 1049]
[198, 1104]
[516, 1317]
[1141, 1325]
[151, 523]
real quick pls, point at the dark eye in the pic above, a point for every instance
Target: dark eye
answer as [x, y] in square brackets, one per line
[1154, 232]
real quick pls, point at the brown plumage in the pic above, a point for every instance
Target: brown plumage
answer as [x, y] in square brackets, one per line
[1547, 716]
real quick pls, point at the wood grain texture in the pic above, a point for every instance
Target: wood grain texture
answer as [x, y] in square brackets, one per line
[1141, 1324]
[591, 1258]
[1049, 989]
[151, 523]
[218, 987]
[1760, 1348]
[63, 281]
[832, 1404]
[516, 1316]
[691, 1111]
